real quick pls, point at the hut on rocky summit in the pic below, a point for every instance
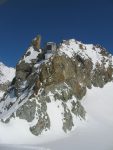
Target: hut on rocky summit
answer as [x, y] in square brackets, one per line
[50, 49]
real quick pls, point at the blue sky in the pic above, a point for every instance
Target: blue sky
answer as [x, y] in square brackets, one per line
[21, 20]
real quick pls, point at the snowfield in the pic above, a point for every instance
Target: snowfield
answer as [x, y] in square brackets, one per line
[21, 147]
[96, 133]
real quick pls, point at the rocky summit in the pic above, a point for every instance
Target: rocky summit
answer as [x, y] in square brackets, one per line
[52, 82]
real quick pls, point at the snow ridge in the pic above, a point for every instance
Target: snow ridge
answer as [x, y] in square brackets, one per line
[86, 51]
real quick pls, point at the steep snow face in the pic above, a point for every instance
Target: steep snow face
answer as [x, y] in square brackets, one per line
[6, 76]
[96, 54]
[6, 73]
[31, 55]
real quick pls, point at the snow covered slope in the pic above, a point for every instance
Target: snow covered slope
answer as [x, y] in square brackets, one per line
[96, 53]
[97, 132]
[94, 133]
[6, 76]
[21, 147]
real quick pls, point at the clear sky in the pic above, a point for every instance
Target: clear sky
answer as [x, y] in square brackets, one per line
[90, 21]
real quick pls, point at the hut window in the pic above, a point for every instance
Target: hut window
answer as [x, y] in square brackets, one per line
[49, 47]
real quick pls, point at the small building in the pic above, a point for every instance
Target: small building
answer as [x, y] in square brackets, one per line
[51, 47]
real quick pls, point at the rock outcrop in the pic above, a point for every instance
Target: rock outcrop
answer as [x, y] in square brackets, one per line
[63, 79]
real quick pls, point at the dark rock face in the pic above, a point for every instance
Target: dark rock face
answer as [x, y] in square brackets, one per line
[27, 111]
[43, 122]
[64, 78]
[3, 87]
[78, 109]
[67, 120]
[23, 70]
[76, 74]
[64, 70]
